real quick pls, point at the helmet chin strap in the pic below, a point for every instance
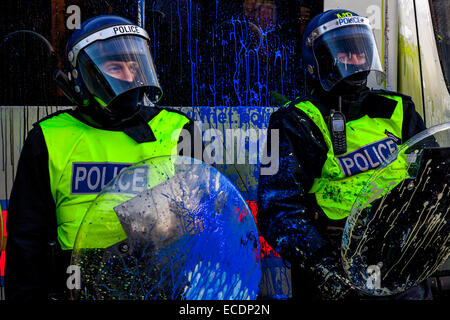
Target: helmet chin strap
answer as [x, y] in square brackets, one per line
[355, 83]
[125, 105]
[351, 86]
[122, 109]
[117, 120]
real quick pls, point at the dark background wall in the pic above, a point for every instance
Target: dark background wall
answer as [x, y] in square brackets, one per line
[216, 52]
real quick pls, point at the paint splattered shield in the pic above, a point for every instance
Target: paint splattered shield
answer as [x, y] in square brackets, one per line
[396, 239]
[167, 228]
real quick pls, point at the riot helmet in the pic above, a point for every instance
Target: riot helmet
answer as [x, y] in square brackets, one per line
[339, 50]
[111, 67]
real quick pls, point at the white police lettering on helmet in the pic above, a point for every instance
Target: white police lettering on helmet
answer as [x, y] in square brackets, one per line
[348, 20]
[126, 29]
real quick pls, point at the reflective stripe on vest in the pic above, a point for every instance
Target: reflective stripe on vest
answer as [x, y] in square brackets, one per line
[83, 159]
[369, 142]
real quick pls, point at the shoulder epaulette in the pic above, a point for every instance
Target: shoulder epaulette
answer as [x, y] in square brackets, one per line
[54, 114]
[176, 111]
[295, 101]
[391, 93]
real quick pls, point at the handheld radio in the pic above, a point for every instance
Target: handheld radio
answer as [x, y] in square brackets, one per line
[337, 130]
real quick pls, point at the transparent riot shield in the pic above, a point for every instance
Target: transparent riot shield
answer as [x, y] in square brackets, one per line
[397, 233]
[167, 228]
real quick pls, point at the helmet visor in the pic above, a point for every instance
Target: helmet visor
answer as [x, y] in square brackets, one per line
[113, 66]
[346, 51]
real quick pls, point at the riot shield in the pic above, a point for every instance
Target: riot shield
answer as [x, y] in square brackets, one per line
[397, 234]
[168, 228]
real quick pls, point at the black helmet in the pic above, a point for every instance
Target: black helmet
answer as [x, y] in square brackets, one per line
[339, 46]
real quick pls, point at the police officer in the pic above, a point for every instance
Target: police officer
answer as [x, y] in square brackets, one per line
[70, 155]
[331, 141]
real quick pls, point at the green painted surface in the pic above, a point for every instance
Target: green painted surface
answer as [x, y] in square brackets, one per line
[409, 71]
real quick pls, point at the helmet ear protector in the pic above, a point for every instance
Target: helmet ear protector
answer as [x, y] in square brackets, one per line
[63, 82]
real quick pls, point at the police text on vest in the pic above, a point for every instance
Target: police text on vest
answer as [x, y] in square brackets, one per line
[367, 157]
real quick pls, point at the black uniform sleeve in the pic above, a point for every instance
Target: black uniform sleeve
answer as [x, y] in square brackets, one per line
[31, 223]
[412, 121]
[287, 214]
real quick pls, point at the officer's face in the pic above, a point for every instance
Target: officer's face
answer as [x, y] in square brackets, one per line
[122, 70]
[351, 58]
